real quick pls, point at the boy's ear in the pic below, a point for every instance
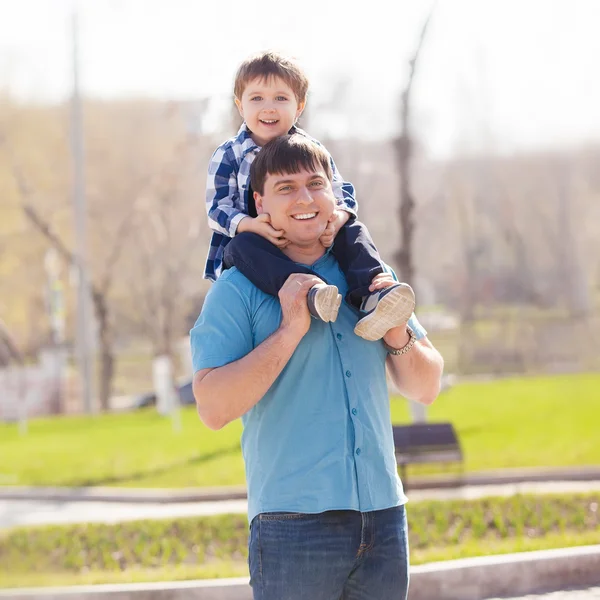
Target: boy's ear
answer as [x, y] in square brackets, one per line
[238, 103]
[258, 203]
[300, 109]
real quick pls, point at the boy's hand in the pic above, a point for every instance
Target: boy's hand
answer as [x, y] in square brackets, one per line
[261, 225]
[337, 220]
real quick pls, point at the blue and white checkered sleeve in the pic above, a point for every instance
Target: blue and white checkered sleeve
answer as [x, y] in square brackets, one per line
[344, 191]
[222, 195]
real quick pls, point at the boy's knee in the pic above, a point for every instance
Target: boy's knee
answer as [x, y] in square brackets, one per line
[246, 237]
[239, 246]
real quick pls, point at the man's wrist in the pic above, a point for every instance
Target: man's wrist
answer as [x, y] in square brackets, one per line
[403, 346]
[291, 334]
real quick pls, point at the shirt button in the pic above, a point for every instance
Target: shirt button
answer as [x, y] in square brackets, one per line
[358, 452]
[348, 374]
[339, 336]
[354, 411]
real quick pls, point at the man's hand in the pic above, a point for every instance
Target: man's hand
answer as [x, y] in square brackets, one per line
[262, 226]
[337, 220]
[397, 337]
[294, 307]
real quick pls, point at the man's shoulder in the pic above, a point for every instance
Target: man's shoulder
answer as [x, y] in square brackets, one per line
[232, 281]
[233, 277]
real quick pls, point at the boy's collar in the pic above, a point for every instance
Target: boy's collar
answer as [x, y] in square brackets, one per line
[244, 134]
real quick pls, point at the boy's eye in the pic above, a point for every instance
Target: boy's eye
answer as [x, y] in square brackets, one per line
[281, 98]
[256, 98]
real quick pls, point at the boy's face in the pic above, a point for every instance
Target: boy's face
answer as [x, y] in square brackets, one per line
[269, 108]
[299, 203]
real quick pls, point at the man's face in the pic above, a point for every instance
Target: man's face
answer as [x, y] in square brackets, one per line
[269, 108]
[299, 203]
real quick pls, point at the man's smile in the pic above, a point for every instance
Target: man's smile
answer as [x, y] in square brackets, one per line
[304, 216]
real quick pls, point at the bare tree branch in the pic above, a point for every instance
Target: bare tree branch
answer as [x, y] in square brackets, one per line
[8, 343]
[404, 152]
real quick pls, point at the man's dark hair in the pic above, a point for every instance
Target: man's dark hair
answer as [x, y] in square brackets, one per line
[288, 154]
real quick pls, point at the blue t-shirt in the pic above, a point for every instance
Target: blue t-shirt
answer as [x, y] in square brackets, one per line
[321, 437]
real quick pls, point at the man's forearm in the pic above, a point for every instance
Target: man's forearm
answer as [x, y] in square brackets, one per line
[226, 393]
[417, 374]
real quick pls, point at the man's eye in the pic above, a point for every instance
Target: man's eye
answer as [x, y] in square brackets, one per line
[285, 188]
[316, 183]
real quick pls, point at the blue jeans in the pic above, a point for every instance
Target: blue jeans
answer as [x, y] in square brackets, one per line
[335, 555]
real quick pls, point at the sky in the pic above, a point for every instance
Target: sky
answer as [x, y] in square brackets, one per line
[499, 75]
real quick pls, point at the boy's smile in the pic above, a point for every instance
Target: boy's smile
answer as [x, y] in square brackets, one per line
[269, 108]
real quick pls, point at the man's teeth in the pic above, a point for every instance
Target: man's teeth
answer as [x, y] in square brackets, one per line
[305, 216]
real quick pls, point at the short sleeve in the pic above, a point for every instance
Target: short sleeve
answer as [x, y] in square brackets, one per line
[223, 332]
[416, 327]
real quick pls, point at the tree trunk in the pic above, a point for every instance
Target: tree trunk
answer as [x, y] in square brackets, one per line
[405, 212]
[404, 256]
[107, 356]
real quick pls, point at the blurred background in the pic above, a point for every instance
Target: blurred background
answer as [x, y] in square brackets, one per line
[471, 132]
[479, 118]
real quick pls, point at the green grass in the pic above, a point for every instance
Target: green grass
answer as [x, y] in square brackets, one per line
[526, 422]
[138, 449]
[206, 547]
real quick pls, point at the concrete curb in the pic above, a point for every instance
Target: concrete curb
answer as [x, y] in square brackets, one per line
[105, 494]
[465, 579]
[139, 495]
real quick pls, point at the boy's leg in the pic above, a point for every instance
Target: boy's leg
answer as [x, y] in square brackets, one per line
[297, 556]
[382, 569]
[360, 261]
[268, 268]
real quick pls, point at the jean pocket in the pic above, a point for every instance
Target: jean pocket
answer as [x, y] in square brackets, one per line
[284, 516]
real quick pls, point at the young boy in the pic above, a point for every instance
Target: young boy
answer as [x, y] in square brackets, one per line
[270, 94]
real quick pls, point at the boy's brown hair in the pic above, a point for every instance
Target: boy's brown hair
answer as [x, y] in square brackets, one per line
[271, 64]
[288, 154]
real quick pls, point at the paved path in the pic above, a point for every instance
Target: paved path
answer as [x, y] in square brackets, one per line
[587, 594]
[32, 512]
[37, 512]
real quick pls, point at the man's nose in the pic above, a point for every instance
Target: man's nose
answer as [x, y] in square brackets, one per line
[304, 196]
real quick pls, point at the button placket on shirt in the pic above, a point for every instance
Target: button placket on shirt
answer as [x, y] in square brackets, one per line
[352, 398]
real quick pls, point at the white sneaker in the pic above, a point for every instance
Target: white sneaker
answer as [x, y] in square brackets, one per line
[385, 309]
[324, 302]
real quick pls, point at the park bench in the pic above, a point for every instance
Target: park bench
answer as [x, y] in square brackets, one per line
[426, 443]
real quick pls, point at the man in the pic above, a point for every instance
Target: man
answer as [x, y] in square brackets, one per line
[325, 503]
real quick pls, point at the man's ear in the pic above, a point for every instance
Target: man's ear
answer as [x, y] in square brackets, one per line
[238, 103]
[258, 203]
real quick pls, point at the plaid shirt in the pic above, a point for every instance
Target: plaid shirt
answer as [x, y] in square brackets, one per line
[227, 188]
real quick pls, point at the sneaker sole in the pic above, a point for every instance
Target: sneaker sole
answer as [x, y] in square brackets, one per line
[327, 302]
[392, 310]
